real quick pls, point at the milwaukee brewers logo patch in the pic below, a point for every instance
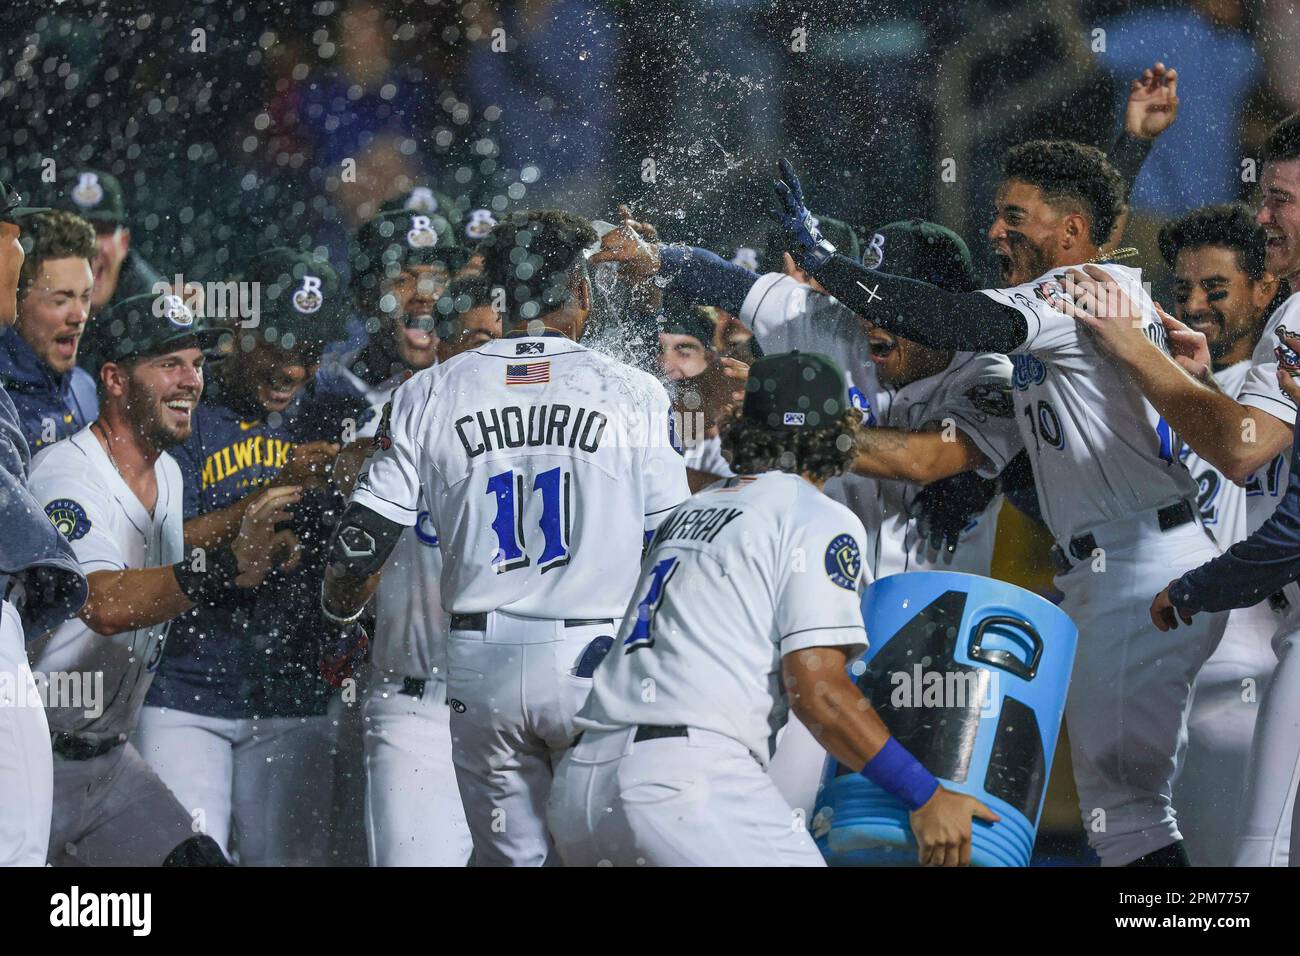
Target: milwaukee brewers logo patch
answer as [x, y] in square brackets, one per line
[307, 298]
[68, 517]
[88, 192]
[844, 561]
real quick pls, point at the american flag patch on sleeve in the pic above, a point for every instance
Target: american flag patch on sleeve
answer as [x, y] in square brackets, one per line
[528, 373]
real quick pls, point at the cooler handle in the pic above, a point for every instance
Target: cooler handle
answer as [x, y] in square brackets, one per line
[1005, 659]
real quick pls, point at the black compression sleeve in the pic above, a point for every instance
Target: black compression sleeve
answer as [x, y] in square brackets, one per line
[960, 321]
[1127, 156]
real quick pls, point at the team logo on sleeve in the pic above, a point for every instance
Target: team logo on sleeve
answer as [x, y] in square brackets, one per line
[88, 192]
[746, 258]
[307, 298]
[421, 235]
[844, 561]
[480, 223]
[68, 517]
[1027, 371]
[421, 199]
[1052, 293]
[991, 399]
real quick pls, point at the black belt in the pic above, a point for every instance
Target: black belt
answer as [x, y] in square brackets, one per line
[478, 622]
[77, 747]
[650, 732]
[1082, 547]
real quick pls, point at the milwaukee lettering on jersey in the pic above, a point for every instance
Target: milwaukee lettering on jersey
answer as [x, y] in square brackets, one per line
[256, 451]
[510, 427]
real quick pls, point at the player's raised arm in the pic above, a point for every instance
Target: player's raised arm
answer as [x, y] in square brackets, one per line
[1151, 109]
[916, 310]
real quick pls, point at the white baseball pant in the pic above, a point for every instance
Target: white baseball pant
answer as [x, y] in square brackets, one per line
[1269, 835]
[1226, 700]
[513, 695]
[26, 763]
[260, 788]
[698, 800]
[113, 810]
[413, 812]
[1129, 691]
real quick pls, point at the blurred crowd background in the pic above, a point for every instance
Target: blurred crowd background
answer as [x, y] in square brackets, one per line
[237, 126]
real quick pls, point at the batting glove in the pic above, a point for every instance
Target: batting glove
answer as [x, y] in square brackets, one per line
[807, 244]
[345, 649]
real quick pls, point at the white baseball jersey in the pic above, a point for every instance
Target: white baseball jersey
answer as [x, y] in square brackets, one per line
[410, 621]
[110, 530]
[745, 572]
[972, 395]
[1261, 390]
[1222, 502]
[542, 464]
[785, 314]
[1100, 452]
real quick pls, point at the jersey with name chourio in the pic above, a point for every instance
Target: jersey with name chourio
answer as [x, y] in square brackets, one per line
[745, 572]
[542, 463]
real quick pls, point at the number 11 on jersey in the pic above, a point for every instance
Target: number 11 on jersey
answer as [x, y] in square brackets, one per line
[508, 487]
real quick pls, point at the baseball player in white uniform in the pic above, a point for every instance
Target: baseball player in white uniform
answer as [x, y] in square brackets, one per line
[414, 815]
[33, 557]
[543, 464]
[115, 494]
[750, 591]
[1243, 438]
[1222, 290]
[1113, 493]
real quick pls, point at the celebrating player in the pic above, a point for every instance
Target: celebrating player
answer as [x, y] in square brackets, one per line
[1241, 437]
[542, 464]
[1113, 493]
[115, 493]
[680, 724]
[43, 587]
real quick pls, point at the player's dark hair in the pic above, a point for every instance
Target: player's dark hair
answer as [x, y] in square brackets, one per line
[54, 235]
[1067, 171]
[534, 255]
[1228, 225]
[462, 294]
[1283, 141]
[752, 448]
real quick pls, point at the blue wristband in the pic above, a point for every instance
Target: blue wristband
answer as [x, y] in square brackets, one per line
[897, 771]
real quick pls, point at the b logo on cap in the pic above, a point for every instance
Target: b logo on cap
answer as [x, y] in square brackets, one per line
[746, 258]
[87, 192]
[308, 297]
[423, 199]
[421, 235]
[480, 223]
[873, 257]
[174, 309]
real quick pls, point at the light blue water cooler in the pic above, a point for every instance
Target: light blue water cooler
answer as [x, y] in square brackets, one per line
[970, 675]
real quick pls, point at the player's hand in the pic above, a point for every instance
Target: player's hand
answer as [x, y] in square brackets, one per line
[943, 509]
[1187, 347]
[1152, 102]
[259, 547]
[942, 827]
[633, 245]
[1163, 613]
[1101, 304]
[308, 464]
[806, 241]
[1286, 379]
[738, 372]
[345, 648]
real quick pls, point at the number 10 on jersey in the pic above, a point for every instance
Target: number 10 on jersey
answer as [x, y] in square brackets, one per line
[511, 494]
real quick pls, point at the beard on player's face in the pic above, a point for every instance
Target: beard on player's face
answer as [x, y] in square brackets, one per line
[151, 413]
[1021, 259]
